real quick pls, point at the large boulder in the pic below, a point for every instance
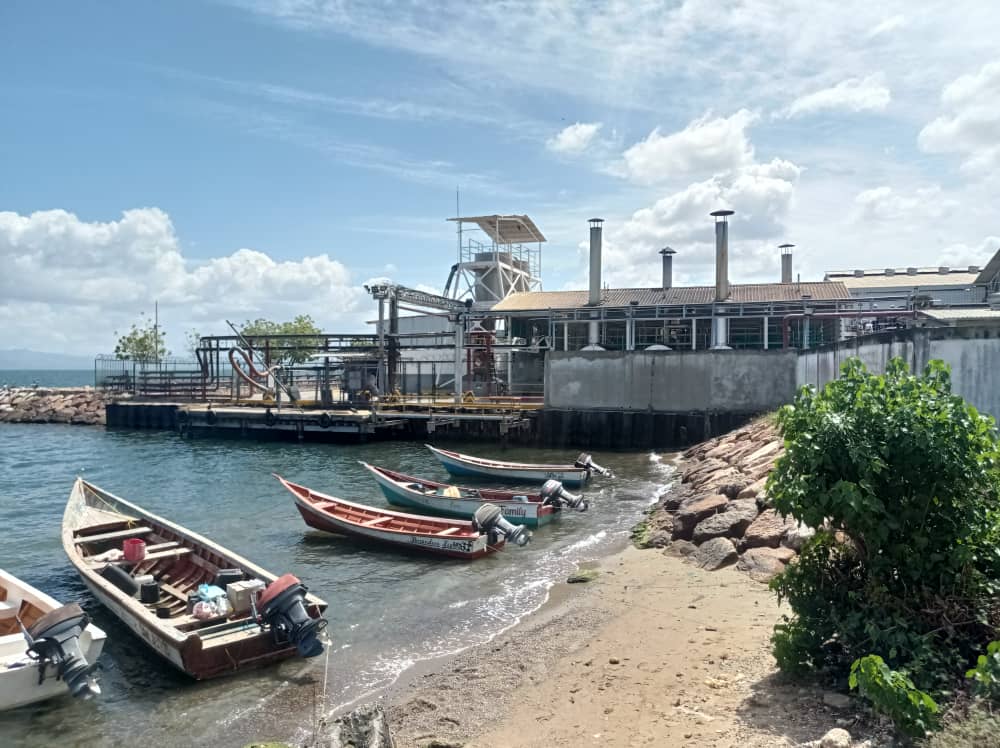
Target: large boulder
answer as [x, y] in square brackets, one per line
[763, 564]
[715, 553]
[767, 530]
[730, 523]
[694, 511]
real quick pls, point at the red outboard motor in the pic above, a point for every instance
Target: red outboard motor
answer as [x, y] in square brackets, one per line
[54, 639]
[554, 494]
[585, 461]
[282, 606]
[489, 518]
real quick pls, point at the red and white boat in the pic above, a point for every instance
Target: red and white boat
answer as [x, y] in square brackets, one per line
[487, 532]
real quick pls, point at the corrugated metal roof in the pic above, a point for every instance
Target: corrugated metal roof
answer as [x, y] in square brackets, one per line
[904, 281]
[506, 229]
[963, 315]
[623, 297]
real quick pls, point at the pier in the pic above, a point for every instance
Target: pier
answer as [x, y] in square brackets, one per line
[515, 422]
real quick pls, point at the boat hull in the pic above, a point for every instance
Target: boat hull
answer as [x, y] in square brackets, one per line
[203, 652]
[452, 547]
[529, 513]
[19, 685]
[455, 465]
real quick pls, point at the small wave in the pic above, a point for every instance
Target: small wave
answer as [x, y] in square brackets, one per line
[587, 542]
[459, 604]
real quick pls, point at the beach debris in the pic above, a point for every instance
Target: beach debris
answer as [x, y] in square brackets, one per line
[582, 576]
[364, 727]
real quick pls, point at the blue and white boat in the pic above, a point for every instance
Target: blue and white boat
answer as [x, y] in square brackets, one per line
[518, 507]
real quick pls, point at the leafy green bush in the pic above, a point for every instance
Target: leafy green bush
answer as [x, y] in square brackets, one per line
[901, 476]
[893, 694]
[986, 673]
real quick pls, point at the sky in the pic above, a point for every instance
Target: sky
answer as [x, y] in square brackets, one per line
[239, 159]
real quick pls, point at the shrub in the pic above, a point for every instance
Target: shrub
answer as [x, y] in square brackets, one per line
[902, 477]
[986, 673]
[893, 694]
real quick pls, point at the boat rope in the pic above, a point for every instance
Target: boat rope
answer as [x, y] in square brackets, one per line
[326, 672]
[129, 521]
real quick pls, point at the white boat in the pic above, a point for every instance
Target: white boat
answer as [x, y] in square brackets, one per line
[574, 475]
[46, 649]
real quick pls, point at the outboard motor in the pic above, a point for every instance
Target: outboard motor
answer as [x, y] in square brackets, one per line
[54, 639]
[489, 518]
[283, 607]
[585, 461]
[554, 494]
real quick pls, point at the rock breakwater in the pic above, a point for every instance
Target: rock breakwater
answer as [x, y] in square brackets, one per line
[720, 513]
[77, 405]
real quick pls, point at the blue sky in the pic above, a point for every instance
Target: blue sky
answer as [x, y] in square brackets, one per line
[266, 157]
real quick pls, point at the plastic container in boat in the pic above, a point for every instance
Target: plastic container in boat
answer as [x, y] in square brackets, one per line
[134, 550]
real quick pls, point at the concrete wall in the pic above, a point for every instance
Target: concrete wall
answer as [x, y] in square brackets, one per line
[670, 381]
[972, 352]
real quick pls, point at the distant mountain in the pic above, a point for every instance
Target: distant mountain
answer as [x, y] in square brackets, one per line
[21, 358]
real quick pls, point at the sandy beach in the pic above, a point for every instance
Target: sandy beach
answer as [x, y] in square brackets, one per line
[653, 652]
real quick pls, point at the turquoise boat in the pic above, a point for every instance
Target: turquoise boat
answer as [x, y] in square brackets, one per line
[442, 499]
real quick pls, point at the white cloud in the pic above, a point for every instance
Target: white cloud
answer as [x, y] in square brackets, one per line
[851, 95]
[962, 255]
[762, 196]
[889, 24]
[708, 145]
[970, 126]
[69, 283]
[888, 204]
[574, 139]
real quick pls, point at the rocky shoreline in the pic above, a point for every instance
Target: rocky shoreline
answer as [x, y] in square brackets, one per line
[720, 513]
[73, 405]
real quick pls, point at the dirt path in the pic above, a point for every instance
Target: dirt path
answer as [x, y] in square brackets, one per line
[654, 652]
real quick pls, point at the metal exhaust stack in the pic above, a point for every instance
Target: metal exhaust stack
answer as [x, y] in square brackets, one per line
[721, 253]
[594, 298]
[786, 262]
[668, 266]
[595, 261]
[720, 325]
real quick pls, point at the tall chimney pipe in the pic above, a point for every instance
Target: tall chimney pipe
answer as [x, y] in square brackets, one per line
[668, 266]
[786, 262]
[595, 261]
[721, 253]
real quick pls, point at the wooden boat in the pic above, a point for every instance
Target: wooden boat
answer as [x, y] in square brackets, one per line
[518, 507]
[486, 533]
[574, 475]
[46, 649]
[206, 642]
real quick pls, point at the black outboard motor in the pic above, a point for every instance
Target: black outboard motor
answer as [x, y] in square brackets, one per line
[54, 639]
[489, 518]
[283, 607]
[586, 462]
[554, 494]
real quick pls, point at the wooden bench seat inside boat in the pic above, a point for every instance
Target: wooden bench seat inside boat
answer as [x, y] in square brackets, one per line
[130, 532]
[447, 531]
[376, 521]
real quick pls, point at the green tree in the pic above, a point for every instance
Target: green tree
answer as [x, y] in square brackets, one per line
[143, 342]
[192, 339]
[901, 478]
[264, 334]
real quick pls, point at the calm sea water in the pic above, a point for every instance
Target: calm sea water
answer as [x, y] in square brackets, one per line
[46, 377]
[387, 611]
